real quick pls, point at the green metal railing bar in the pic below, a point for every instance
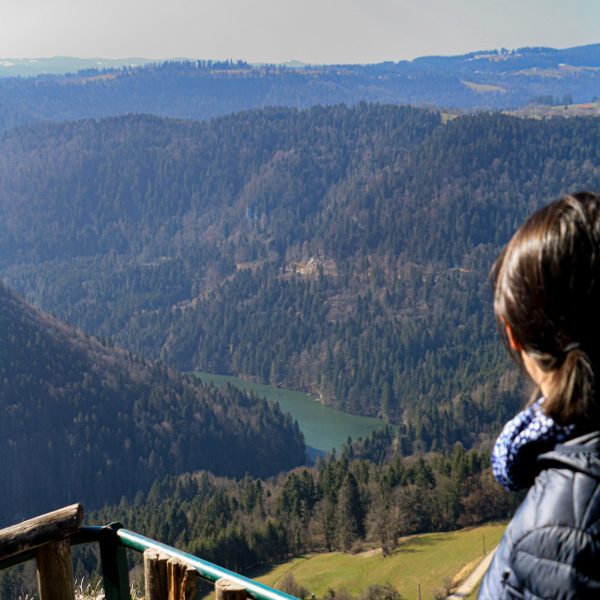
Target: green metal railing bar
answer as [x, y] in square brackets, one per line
[205, 569]
[114, 539]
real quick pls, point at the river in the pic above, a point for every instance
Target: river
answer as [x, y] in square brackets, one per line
[323, 427]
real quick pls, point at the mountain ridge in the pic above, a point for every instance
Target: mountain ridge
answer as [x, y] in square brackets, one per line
[204, 89]
[83, 422]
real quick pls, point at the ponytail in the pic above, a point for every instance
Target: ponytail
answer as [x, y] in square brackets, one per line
[572, 397]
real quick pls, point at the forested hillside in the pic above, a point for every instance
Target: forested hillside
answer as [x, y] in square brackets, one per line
[343, 251]
[367, 497]
[83, 422]
[341, 504]
[205, 89]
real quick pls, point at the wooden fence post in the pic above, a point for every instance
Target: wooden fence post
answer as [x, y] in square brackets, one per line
[41, 530]
[55, 571]
[182, 581]
[228, 590]
[47, 535]
[188, 585]
[155, 575]
[174, 576]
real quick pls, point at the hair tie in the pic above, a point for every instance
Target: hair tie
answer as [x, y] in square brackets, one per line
[571, 346]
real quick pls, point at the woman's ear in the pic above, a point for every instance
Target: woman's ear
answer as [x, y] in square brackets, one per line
[514, 344]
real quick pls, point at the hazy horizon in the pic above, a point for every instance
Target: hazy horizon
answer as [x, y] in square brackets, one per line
[279, 31]
[292, 60]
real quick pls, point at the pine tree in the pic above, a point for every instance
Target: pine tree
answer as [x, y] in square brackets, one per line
[350, 514]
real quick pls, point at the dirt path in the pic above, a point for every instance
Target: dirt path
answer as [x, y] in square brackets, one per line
[467, 587]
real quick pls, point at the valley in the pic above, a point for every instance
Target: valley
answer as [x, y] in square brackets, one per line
[344, 252]
[319, 236]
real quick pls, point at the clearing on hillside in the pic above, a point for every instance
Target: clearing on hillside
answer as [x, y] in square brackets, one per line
[428, 560]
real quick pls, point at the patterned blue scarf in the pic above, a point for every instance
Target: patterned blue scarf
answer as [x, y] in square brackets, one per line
[527, 435]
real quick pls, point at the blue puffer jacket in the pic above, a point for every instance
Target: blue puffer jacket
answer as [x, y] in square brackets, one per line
[551, 548]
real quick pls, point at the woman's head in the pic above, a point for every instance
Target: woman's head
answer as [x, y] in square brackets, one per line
[547, 296]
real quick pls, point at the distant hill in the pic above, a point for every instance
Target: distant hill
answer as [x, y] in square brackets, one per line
[205, 89]
[83, 422]
[59, 65]
[342, 251]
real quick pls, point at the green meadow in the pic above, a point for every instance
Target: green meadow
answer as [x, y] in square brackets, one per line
[425, 561]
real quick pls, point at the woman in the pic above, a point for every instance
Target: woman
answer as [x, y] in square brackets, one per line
[547, 302]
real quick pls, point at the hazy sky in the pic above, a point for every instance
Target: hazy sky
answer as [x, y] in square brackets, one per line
[324, 31]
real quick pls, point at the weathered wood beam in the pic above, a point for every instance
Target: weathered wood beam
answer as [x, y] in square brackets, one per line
[36, 532]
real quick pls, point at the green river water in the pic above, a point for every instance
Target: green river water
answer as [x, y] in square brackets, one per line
[323, 427]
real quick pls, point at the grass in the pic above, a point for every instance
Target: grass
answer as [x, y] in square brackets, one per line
[428, 561]
[84, 590]
[484, 87]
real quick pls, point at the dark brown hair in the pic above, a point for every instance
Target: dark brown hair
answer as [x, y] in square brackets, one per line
[547, 290]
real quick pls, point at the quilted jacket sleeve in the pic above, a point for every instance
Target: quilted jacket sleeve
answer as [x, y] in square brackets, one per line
[547, 562]
[557, 562]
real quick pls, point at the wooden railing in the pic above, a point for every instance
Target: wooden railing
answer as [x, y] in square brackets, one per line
[169, 574]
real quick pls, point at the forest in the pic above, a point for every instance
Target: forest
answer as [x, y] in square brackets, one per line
[339, 250]
[340, 504]
[204, 89]
[344, 503]
[81, 422]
